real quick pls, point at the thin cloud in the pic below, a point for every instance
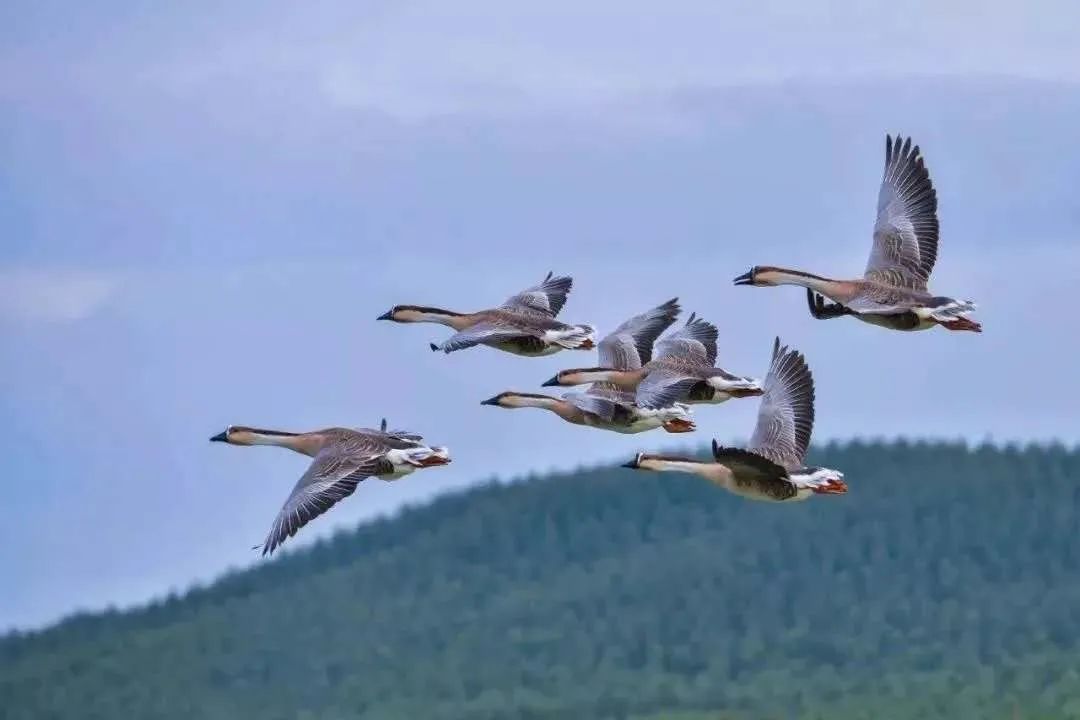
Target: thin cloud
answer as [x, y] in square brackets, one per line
[53, 296]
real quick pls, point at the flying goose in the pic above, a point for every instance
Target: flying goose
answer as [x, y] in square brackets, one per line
[342, 458]
[606, 408]
[683, 371]
[892, 292]
[603, 405]
[524, 325]
[771, 467]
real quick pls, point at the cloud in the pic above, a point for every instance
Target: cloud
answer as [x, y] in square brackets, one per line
[53, 296]
[421, 60]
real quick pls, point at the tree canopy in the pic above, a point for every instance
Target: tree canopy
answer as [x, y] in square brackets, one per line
[946, 584]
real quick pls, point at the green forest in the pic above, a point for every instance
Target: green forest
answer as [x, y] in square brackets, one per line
[945, 584]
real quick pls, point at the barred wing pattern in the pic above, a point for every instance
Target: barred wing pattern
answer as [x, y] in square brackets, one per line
[481, 333]
[906, 231]
[349, 457]
[786, 416]
[591, 402]
[664, 385]
[630, 345]
[696, 340]
[546, 298]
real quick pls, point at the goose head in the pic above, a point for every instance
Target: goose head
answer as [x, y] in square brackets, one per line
[580, 376]
[243, 435]
[662, 463]
[770, 276]
[759, 275]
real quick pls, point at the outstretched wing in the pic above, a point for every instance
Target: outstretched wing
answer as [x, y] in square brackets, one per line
[547, 298]
[630, 345]
[664, 386]
[482, 333]
[332, 476]
[786, 415]
[696, 340]
[906, 231]
[600, 405]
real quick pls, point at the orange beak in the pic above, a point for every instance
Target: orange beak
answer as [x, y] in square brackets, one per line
[434, 461]
[834, 487]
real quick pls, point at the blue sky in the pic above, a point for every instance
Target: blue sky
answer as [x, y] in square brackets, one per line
[203, 209]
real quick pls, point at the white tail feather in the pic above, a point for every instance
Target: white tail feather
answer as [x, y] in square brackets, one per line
[811, 478]
[571, 338]
[678, 411]
[952, 310]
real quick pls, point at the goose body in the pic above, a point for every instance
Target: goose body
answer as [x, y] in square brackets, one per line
[342, 457]
[523, 325]
[771, 468]
[602, 409]
[893, 291]
[683, 371]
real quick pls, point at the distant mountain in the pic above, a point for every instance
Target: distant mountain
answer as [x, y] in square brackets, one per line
[945, 585]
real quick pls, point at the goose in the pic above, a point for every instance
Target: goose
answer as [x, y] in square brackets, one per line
[342, 458]
[605, 408]
[603, 405]
[683, 371]
[523, 325]
[893, 290]
[771, 467]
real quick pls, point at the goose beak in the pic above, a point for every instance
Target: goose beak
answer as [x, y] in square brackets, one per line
[220, 437]
[747, 278]
[439, 456]
[752, 388]
[490, 401]
[633, 464]
[388, 315]
[435, 461]
[553, 382]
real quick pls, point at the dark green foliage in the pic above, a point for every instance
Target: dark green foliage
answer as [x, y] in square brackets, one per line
[945, 585]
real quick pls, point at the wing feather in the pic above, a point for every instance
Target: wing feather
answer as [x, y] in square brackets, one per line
[696, 340]
[906, 230]
[482, 333]
[547, 298]
[630, 345]
[332, 476]
[786, 415]
[664, 386]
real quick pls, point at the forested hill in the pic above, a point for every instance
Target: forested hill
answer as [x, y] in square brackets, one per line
[946, 584]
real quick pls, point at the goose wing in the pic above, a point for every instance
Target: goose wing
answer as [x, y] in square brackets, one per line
[546, 298]
[630, 345]
[747, 463]
[332, 476]
[877, 299]
[695, 340]
[755, 472]
[906, 231]
[395, 439]
[482, 333]
[601, 404]
[786, 415]
[664, 385]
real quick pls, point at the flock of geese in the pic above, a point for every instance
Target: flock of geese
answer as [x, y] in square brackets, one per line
[646, 380]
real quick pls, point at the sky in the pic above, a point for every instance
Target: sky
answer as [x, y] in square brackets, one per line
[204, 206]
